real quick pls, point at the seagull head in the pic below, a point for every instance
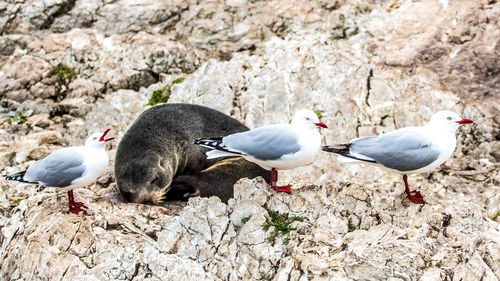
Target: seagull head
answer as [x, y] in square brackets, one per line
[307, 119]
[448, 120]
[98, 139]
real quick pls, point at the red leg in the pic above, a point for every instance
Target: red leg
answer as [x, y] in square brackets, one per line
[75, 207]
[274, 179]
[414, 195]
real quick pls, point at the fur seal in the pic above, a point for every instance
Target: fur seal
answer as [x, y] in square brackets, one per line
[156, 159]
[219, 179]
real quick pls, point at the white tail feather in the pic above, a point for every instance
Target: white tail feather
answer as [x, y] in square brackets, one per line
[217, 153]
[343, 159]
[360, 158]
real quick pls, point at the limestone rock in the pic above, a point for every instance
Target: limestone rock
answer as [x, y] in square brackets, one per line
[121, 240]
[9, 43]
[369, 66]
[92, 65]
[444, 37]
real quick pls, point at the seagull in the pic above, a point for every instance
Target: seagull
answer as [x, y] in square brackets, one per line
[273, 147]
[69, 168]
[407, 150]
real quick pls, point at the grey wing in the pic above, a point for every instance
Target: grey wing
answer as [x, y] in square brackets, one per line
[58, 169]
[403, 150]
[265, 143]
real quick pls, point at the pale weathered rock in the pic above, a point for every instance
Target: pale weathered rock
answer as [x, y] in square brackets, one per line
[9, 43]
[371, 67]
[92, 65]
[80, 87]
[201, 241]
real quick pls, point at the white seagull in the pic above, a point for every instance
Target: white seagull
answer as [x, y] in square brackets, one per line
[69, 168]
[408, 150]
[273, 147]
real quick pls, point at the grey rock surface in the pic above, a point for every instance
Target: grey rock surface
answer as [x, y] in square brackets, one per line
[70, 67]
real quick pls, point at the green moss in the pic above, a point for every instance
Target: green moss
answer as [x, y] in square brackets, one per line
[245, 219]
[162, 95]
[19, 117]
[495, 217]
[65, 73]
[282, 225]
[351, 227]
[178, 80]
[17, 201]
[319, 113]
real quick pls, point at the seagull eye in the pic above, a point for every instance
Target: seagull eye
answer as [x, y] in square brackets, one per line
[307, 118]
[94, 138]
[449, 118]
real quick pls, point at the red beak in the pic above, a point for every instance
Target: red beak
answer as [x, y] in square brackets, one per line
[103, 135]
[321, 124]
[465, 121]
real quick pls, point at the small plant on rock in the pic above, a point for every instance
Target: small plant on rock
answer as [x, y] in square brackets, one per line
[282, 225]
[19, 117]
[245, 219]
[319, 113]
[16, 202]
[65, 73]
[495, 216]
[162, 95]
[351, 227]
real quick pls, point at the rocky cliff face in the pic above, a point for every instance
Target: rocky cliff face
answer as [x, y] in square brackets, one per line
[73, 67]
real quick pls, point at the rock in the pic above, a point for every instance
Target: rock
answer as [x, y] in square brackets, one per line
[35, 15]
[45, 137]
[81, 88]
[9, 43]
[6, 157]
[213, 247]
[94, 65]
[23, 72]
[41, 120]
[445, 37]
[39, 153]
[73, 106]
[369, 67]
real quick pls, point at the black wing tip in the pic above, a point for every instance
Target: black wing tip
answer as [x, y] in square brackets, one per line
[210, 143]
[19, 176]
[200, 141]
[328, 149]
[215, 144]
[207, 140]
[337, 148]
[344, 150]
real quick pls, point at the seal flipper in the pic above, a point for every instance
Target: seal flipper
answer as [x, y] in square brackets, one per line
[182, 188]
[218, 179]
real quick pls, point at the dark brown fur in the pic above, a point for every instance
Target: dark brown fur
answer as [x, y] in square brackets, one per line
[158, 147]
[215, 180]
